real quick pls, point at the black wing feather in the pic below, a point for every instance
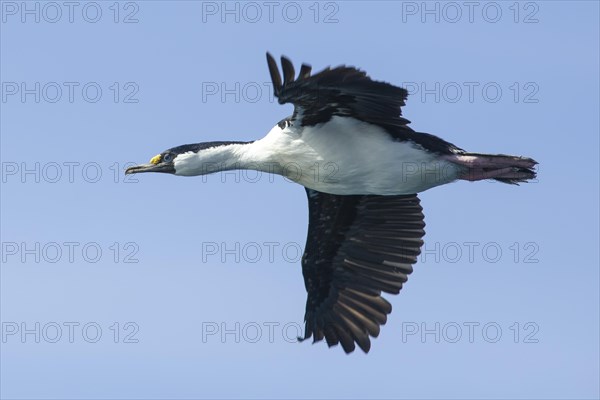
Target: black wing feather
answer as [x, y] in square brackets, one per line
[275, 76]
[357, 248]
[344, 91]
[288, 71]
[348, 92]
[304, 71]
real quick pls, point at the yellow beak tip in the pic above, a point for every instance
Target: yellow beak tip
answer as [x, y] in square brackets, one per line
[155, 160]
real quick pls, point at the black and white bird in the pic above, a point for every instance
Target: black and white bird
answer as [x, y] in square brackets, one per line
[365, 222]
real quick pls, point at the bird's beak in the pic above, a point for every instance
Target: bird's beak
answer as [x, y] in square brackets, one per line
[166, 167]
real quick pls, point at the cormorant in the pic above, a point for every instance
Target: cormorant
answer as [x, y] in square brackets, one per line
[365, 221]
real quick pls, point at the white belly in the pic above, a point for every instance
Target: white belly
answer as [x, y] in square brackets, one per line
[346, 156]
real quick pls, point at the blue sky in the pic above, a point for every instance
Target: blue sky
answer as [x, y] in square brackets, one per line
[159, 286]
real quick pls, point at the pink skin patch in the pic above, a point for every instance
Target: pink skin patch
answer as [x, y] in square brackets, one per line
[479, 167]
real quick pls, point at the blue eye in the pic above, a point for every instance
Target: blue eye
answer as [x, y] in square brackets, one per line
[168, 157]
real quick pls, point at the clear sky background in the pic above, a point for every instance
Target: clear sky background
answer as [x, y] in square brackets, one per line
[195, 284]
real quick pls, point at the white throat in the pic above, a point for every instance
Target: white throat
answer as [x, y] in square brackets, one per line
[224, 158]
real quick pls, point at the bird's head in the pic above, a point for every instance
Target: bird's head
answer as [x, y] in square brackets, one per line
[189, 159]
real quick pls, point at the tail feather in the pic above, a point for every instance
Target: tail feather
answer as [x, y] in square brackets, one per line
[500, 167]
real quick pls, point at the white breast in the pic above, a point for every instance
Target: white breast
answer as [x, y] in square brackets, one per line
[347, 156]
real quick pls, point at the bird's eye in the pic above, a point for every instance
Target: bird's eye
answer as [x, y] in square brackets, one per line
[168, 157]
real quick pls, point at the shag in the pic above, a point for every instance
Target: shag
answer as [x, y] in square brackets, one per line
[365, 224]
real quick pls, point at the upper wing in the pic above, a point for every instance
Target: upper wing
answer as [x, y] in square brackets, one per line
[344, 91]
[357, 247]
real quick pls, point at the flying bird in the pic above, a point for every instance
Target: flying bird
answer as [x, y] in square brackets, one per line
[365, 224]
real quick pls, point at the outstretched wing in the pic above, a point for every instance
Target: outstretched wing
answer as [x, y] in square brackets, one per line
[357, 247]
[343, 91]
